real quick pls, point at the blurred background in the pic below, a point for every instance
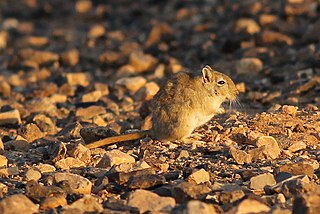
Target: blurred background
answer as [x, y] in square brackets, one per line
[76, 52]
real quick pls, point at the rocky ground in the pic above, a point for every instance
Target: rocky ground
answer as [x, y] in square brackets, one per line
[73, 72]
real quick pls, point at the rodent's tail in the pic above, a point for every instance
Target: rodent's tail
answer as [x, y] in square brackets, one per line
[116, 139]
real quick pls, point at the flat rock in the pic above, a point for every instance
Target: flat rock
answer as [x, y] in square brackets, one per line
[149, 201]
[230, 196]
[260, 181]
[91, 134]
[90, 112]
[271, 147]
[17, 203]
[38, 192]
[141, 62]
[133, 84]
[31, 132]
[45, 123]
[70, 57]
[10, 117]
[290, 110]
[3, 161]
[115, 157]
[196, 207]
[33, 174]
[71, 131]
[53, 201]
[246, 25]
[124, 177]
[186, 191]
[296, 169]
[44, 168]
[85, 204]
[241, 157]
[200, 176]
[42, 105]
[6, 172]
[3, 190]
[77, 183]
[69, 162]
[93, 96]
[81, 153]
[249, 66]
[297, 146]
[146, 181]
[250, 205]
[75, 79]
[272, 37]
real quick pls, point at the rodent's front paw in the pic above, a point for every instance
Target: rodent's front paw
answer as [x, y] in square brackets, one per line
[221, 110]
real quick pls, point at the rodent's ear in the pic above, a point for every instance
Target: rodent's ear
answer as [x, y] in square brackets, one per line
[207, 74]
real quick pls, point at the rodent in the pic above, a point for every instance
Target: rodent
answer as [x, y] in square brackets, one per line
[185, 102]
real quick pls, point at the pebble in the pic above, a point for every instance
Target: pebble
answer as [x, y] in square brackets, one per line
[148, 201]
[91, 97]
[86, 204]
[271, 147]
[249, 66]
[45, 168]
[53, 201]
[146, 181]
[241, 157]
[296, 169]
[17, 203]
[19, 145]
[200, 176]
[37, 57]
[231, 195]
[266, 19]
[10, 117]
[83, 6]
[272, 37]
[183, 154]
[141, 62]
[68, 163]
[3, 161]
[31, 132]
[249, 205]
[115, 157]
[45, 123]
[77, 183]
[42, 105]
[96, 31]
[70, 57]
[148, 91]
[81, 153]
[33, 174]
[196, 207]
[75, 79]
[260, 181]
[247, 25]
[6, 172]
[290, 110]
[186, 191]
[90, 112]
[3, 190]
[5, 88]
[133, 84]
[3, 39]
[297, 146]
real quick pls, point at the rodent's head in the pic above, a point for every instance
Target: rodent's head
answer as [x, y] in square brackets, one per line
[218, 84]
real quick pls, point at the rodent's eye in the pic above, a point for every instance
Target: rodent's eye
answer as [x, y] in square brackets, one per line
[221, 82]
